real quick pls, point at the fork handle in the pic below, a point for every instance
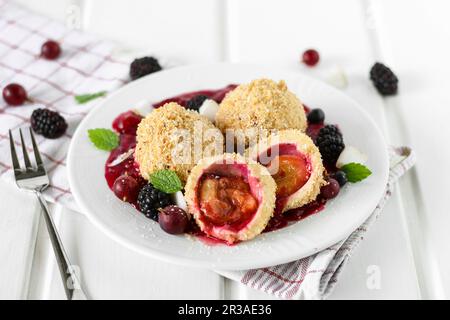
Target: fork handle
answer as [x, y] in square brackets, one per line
[71, 283]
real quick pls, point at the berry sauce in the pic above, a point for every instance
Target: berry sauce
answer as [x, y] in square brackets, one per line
[121, 162]
[216, 95]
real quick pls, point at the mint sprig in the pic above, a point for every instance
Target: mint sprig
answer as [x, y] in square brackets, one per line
[85, 98]
[104, 139]
[356, 172]
[166, 181]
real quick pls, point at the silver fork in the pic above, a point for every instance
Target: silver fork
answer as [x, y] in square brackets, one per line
[35, 179]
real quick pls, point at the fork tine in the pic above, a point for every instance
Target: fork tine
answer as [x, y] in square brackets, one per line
[14, 159]
[37, 154]
[25, 152]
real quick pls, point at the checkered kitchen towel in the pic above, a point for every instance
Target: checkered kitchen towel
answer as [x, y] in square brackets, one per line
[314, 277]
[87, 65]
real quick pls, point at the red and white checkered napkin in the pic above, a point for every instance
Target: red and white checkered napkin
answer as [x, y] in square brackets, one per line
[314, 277]
[86, 65]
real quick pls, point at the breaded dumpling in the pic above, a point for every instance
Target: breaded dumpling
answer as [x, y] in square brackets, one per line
[261, 104]
[295, 164]
[172, 137]
[230, 197]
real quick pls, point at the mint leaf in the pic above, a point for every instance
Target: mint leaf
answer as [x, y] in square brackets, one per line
[166, 181]
[104, 139]
[356, 172]
[85, 98]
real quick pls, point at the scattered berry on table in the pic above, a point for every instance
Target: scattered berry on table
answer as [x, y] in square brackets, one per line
[50, 50]
[196, 102]
[331, 190]
[330, 143]
[14, 94]
[316, 116]
[340, 177]
[384, 79]
[173, 220]
[126, 188]
[127, 123]
[143, 66]
[48, 123]
[150, 200]
[310, 57]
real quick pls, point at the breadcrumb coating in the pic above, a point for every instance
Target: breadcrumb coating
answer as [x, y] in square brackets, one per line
[305, 146]
[172, 137]
[261, 104]
[265, 211]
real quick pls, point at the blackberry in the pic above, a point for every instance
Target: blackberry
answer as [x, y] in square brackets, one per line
[48, 123]
[196, 102]
[143, 66]
[384, 79]
[150, 200]
[330, 144]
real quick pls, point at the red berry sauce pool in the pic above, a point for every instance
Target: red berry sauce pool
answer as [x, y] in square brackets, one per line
[126, 125]
[216, 95]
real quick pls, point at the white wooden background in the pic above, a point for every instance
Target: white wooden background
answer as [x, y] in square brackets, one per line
[409, 244]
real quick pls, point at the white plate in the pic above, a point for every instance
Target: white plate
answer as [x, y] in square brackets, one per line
[123, 223]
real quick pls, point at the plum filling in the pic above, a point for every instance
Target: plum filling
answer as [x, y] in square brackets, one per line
[226, 200]
[227, 196]
[289, 168]
[292, 173]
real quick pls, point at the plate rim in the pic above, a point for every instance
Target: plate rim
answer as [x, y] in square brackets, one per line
[167, 257]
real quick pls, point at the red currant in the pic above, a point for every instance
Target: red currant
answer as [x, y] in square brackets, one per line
[126, 188]
[14, 94]
[50, 50]
[310, 57]
[173, 220]
[331, 190]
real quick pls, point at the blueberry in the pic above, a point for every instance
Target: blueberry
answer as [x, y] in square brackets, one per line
[340, 177]
[196, 102]
[316, 116]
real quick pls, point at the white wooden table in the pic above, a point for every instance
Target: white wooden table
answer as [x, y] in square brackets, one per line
[408, 245]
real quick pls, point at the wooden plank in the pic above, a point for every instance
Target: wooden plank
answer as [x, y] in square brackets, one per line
[110, 271]
[416, 47]
[19, 218]
[277, 32]
[56, 9]
[179, 31]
